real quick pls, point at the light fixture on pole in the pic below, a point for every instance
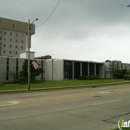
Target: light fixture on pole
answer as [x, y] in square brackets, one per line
[128, 5]
[29, 46]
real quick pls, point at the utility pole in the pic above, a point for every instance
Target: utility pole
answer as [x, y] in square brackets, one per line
[28, 49]
[28, 46]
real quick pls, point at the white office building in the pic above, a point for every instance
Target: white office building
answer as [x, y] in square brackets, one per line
[13, 52]
[13, 37]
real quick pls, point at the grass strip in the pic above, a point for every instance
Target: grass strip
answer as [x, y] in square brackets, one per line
[62, 84]
[122, 129]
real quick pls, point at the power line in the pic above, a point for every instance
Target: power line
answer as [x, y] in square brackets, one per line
[50, 14]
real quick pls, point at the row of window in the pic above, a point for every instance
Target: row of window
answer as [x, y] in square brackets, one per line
[11, 34]
[11, 40]
[17, 69]
[11, 46]
[10, 52]
[7, 69]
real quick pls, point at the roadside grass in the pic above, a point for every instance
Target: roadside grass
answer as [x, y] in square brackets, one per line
[64, 84]
[122, 129]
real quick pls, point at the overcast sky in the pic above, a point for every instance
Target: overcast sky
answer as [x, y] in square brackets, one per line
[90, 30]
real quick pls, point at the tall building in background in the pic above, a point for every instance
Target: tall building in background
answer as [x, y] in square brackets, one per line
[13, 37]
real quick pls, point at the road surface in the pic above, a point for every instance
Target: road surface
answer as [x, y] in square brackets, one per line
[72, 109]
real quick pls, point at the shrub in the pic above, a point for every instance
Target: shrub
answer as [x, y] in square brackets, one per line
[1, 84]
[82, 77]
[119, 74]
[16, 81]
[90, 77]
[127, 77]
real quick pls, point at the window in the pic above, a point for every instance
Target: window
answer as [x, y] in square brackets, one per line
[7, 61]
[7, 77]
[4, 39]
[16, 62]
[10, 40]
[10, 52]
[16, 40]
[16, 34]
[16, 52]
[0, 38]
[22, 41]
[13, 25]
[42, 70]
[17, 68]
[4, 45]
[16, 46]
[3, 51]
[4, 33]
[11, 34]
[21, 47]
[10, 46]
[7, 69]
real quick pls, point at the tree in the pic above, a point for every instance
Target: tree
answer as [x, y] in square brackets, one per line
[115, 71]
[119, 74]
[113, 68]
[33, 72]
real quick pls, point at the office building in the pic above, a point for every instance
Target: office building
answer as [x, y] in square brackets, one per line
[13, 37]
[13, 52]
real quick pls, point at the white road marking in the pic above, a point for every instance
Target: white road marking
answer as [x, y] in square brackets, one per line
[104, 92]
[10, 103]
[102, 103]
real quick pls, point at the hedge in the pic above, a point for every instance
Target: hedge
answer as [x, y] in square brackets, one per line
[127, 77]
[90, 77]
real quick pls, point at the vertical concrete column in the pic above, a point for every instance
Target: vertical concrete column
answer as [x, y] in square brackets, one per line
[95, 69]
[52, 69]
[73, 70]
[88, 69]
[80, 68]
[26, 42]
[63, 70]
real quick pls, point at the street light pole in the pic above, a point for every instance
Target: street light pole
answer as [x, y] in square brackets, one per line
[128, 5]
[28, 47]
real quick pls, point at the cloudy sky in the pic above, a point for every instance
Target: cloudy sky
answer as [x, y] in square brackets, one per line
[92, 30]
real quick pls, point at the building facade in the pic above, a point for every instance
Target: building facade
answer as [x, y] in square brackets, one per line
[115, 65]
[54, 69]
[10, 68]
[13, 52]
[13, 37]
[60, 69]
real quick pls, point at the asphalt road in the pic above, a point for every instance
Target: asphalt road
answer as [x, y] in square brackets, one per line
[73, 109]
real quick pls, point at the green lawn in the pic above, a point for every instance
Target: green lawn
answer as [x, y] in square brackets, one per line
[122, 129]
[65, 83]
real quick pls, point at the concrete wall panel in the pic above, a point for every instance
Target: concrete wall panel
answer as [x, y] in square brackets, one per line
[48, 69]
[58, 73]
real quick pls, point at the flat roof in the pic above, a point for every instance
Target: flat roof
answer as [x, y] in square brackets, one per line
[14, 25]
[78, 60]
